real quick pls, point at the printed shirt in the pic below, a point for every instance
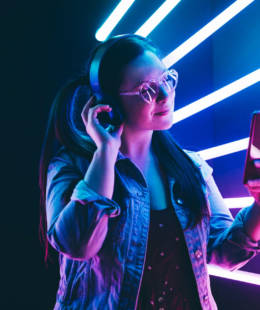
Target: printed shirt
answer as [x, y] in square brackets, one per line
[168, 281]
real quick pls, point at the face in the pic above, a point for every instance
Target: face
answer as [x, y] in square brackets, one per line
[140, 114]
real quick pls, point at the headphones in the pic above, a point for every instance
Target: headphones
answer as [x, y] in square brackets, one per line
[115, 116]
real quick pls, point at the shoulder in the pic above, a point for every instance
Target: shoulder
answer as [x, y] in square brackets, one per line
[65, 156]
[201, 163]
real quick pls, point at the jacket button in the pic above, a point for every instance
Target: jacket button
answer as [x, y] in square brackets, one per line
[205, 297]
[179, 201]
[198, 254]
[160, 299]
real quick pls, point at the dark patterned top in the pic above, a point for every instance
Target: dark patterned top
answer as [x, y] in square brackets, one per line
[168, 282]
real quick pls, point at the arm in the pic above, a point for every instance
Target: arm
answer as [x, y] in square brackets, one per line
[252, 221]
[229, 245]
[78, 206]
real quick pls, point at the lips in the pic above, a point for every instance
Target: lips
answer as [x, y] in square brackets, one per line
[162, 112]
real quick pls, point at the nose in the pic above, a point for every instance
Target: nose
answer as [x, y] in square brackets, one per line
[163, 94]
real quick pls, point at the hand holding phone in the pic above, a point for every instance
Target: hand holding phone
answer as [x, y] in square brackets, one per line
[252, 164]
[95, 130]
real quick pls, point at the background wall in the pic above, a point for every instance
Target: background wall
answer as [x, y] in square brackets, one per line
[46, 43]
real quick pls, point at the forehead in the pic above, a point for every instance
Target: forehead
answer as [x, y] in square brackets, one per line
[144, 67]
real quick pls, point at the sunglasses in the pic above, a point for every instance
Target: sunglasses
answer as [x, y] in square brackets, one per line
[149, 90]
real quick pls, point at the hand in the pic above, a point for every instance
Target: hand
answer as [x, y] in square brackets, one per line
[254, 185]
[95, 130]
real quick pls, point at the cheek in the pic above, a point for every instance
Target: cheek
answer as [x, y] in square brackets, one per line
[136, 110]
[140, 114]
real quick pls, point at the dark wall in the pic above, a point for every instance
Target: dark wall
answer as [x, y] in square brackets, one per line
[46, 43]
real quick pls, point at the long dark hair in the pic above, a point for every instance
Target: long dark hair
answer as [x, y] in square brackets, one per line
[65, 128]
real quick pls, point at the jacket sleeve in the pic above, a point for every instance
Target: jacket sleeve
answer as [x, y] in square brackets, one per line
[228, 246]
[77, 216]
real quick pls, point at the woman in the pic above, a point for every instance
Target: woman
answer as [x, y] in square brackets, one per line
[133, 216]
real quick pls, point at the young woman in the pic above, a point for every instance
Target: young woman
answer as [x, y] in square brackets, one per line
[134, 217]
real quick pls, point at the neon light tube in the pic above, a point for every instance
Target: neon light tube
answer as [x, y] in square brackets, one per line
[113, 19]
[217, 96]
[205, 32]
[240, 202]
[224, 149]
[237, 275]
[153, 21]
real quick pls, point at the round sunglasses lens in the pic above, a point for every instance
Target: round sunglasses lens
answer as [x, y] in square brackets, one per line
[149, 91]
[171, 80]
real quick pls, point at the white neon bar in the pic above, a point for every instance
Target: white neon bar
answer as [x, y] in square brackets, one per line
[153, 21]
[240, 202]
[237, 275]
[224, 149]
[205, 32]
[217, 96]
[113, 19]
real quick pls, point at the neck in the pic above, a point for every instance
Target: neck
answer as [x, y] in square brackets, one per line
[136, 144]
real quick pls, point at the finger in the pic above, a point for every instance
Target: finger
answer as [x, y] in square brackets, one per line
[255, 182]
[117, 130]
[86, 107]
[94, 111]
[91, 100]
[257, 163]
[120, 129]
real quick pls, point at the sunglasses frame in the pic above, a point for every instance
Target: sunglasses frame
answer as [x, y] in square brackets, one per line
[172, 72]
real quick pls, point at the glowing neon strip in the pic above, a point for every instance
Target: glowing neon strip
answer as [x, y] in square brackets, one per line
[224, 149]
[205, 32]
[113, 19]
[237, 275]
[240, 202]
[217, 96]
[157, 17]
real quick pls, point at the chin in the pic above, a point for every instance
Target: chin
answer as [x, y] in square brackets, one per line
[163, 124]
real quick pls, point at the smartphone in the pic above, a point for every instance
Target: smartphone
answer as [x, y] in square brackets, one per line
[251, 172]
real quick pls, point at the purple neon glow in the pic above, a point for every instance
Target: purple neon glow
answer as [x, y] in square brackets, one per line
[237, 275]
[240, 202]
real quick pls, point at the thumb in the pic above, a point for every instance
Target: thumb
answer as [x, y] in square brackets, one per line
[118, 131]
[257, 163]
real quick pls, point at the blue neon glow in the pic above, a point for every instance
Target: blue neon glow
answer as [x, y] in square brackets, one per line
[104, 31]
[217, 96]
[224, 149]
[205, 32]
[153, 21]
[240, 202]
[238, 275]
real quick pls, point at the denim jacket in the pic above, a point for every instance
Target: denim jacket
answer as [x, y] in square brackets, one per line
[101, 265]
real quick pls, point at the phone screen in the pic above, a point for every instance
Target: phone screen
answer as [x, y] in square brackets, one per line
[251, 172]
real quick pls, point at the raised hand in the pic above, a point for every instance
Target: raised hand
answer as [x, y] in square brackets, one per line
[95, 130]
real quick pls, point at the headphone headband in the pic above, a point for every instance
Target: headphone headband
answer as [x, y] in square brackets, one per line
[96, 61]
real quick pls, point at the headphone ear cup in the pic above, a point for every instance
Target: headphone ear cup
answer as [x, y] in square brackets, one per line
[114, 117]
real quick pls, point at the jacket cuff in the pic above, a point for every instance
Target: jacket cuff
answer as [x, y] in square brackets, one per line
[85, 195]
[239, 237]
